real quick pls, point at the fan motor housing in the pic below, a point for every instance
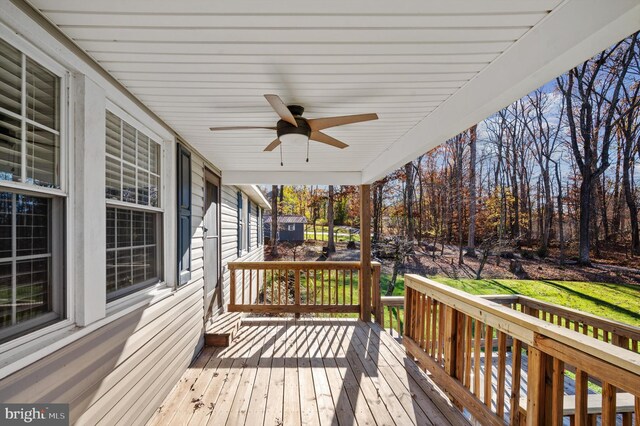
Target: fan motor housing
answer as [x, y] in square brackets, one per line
[284, 128]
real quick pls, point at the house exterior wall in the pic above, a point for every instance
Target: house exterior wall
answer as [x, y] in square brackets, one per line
[113, 362]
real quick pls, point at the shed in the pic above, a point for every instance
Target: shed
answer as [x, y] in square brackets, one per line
[290, 227]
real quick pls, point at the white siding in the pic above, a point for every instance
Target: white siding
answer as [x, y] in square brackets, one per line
[122, 370]
[230, 243]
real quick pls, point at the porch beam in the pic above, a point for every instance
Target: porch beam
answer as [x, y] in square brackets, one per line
[302, 177]
[365, 253]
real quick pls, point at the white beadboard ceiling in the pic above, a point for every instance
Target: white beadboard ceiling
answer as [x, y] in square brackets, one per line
[429, 68]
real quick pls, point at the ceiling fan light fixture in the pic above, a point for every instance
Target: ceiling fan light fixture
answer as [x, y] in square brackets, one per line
[291, 139]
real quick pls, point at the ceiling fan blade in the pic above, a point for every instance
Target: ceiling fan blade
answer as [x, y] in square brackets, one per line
[326, 122]
[273, 145]
[216, 129]
[281, 109]
[324, 138]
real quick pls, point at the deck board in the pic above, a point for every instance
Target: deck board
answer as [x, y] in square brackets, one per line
[307, 371]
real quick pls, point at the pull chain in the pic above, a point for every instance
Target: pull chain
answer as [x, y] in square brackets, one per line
[307, 150]
[281, 162]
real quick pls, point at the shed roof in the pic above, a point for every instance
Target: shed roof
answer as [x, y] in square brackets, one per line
[287, 219]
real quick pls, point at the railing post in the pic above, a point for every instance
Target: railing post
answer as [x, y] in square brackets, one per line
[232, 287]
[536, 387]
[377, 296]
[365, 253]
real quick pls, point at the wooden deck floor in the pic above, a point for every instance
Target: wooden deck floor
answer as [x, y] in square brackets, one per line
[306, 372]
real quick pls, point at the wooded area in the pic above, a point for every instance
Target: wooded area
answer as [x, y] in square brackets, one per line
[555, 170]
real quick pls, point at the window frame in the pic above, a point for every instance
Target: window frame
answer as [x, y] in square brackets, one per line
[159, 210]
[62, 232]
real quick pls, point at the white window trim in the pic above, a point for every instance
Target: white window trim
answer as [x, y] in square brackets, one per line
[31, 342]
[145, 294]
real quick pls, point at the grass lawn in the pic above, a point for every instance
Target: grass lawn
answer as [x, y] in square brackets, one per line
[614, 301]
[322, 234]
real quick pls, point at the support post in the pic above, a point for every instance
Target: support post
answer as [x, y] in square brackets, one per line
[365, 253]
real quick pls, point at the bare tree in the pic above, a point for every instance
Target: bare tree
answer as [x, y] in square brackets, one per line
[629, 130]
[544, 142]
[595, 87]
[471, 241]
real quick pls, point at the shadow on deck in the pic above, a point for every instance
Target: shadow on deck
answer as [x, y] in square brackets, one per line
[307, 371]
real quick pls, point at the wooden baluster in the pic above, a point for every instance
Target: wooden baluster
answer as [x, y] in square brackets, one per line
[467, 352]
[243, 285]
[251, 287]
[419, 319]
[441, 325]
[608, 404]
[581, 397]
[351, 288]
[337, 288]
[516, 365]
[322, 287]
[273, 294]
[344, 286]
[536, 389]
[502, 370]
[488, 366]
[477, 351]
[434, 330]
[427, 331]
[296, 289]
[450, 329]
[557, 389]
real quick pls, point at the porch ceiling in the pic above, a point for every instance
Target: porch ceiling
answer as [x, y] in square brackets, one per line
[429, 68]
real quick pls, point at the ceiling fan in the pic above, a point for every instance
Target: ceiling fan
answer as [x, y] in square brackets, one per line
[293, 128]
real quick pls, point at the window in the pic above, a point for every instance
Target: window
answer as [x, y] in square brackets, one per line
[259, 226]
[240, 224]
[248, 225]
[184, 215]
[29, 120]
[31, 226]
[291, 227]
[133, 215]
[133, 164]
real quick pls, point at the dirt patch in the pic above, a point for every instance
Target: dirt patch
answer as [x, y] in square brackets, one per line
[445, 263]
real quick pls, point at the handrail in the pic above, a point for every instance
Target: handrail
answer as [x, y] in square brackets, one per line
[444, 328]
[393, 321]
[276, 287]
[614, 332]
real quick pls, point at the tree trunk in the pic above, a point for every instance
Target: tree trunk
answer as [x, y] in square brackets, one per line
[409, 201]
[560, 215]
[585, 220]
[331, 245]
[274, 221]
[629, 198]
[471, 242]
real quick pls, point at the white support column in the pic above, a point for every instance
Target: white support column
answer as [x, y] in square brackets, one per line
[89, 245]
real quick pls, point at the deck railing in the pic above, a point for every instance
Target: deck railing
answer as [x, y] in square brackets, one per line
[297, 287]
[392, 318]
[445, 329]
[616, 333]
